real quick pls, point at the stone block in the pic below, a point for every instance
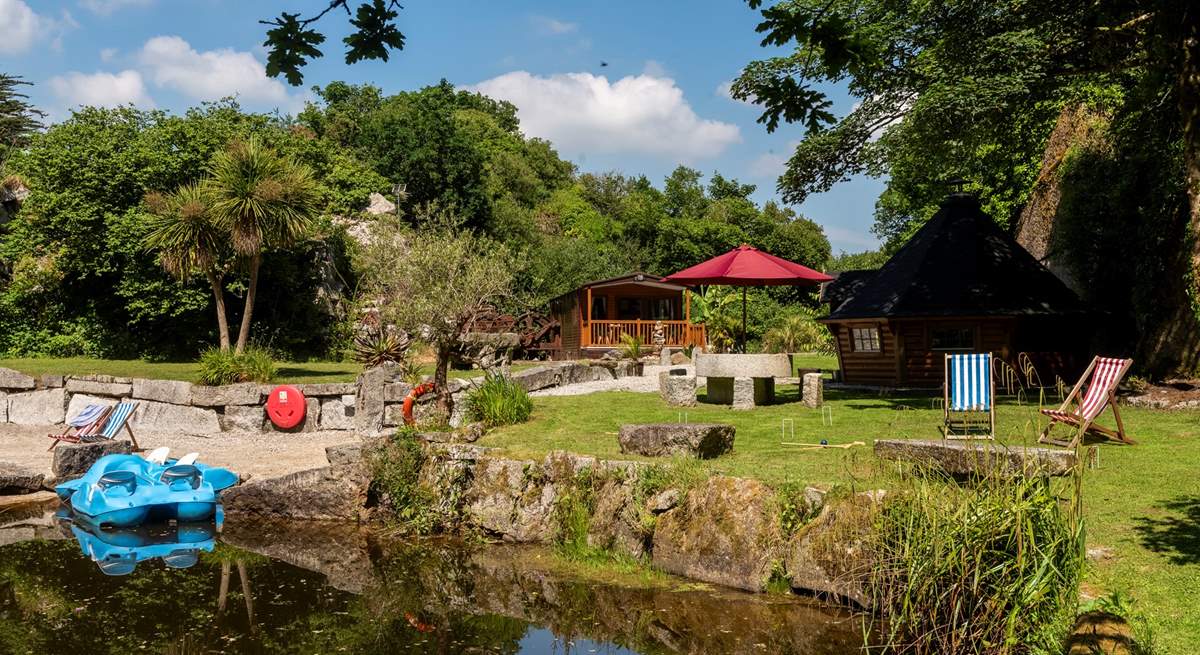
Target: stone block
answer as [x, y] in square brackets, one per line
[829, 555]
[813, 390]
[16, 479]
[395, 392]
[744, 393]
[370, 395]
[677, 390]
[163, 391]
[243, 418]
[539, 377]
[735, 365]
[336, 414]
[51, 381]
[100, 385]
[10, 379]
[168, 417]
[80, 400]
[330, 493]
[345, 454]
[725, 531]
[72, 460]
[43, 407]
[616, 522]
[970, 458]
[246, 393]
[3, 407]
[505, 501]
[703, 440]
[326, 389]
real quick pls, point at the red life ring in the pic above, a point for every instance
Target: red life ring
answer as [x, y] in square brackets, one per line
[411, 398]
[286, 406]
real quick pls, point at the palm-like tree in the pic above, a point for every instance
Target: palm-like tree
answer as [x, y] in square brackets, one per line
[189, 241]
[263, 201]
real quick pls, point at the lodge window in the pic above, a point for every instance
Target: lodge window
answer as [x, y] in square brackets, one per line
[663, 309]
[958, 338]
[599, 308]
[629, 309]
[865, 340]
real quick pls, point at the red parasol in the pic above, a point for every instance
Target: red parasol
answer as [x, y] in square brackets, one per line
[747, 266]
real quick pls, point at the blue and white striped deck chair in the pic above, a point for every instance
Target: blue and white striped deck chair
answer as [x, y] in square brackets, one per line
[969, 400]
[118, 419]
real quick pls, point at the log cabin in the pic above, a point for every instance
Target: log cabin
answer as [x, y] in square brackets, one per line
[960, 284]
[594, 317]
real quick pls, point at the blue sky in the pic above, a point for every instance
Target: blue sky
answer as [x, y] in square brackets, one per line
[659, 102]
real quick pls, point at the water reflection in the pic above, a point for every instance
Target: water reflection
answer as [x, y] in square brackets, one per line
[289, 589]
[118, 551]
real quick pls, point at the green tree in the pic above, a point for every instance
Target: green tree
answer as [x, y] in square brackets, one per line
[18, 118]
[292, 42]
[264, 201]
[188, 240]
[436, 284]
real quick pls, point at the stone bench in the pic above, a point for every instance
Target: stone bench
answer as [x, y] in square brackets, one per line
[702, 440]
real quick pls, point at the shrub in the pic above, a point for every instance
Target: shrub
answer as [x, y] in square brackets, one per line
[991, 568]
[499, 401]
[796, 333]
[395, 468]
[631, 346]
[218, 367]
[377, 345]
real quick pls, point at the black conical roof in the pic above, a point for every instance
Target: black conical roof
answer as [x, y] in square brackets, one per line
[960, 263]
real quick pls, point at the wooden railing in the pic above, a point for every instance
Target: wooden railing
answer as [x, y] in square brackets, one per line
[677, 334]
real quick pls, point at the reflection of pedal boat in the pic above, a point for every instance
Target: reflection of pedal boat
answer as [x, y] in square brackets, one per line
[118, 552]
[126, 490]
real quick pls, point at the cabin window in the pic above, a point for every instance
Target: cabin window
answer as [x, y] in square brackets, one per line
[866, 340]
[663, 310]
[599, 308]
[629, 309]
[958, 338]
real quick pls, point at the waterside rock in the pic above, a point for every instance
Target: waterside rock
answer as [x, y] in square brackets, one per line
[72, 460]
[16, 479]
[329, 493]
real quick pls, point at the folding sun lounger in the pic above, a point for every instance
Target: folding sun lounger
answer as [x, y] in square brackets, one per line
[1102, 375]
[968, 397]
[87, 422]
[115, 419]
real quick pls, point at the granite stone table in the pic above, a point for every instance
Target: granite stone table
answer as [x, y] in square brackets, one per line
[742, 381]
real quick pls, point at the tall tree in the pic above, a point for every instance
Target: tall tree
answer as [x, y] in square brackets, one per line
[18, 119]
[292, 41]
[264, 201]
[189, 241]
[958, 77]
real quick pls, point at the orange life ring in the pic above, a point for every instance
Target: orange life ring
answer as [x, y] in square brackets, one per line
[411, 398]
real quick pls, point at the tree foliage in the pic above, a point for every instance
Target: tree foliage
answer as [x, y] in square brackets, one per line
[18, 118]
[292, 41]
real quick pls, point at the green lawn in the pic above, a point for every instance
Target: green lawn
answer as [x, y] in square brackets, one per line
[1142, 502]
[293, 372]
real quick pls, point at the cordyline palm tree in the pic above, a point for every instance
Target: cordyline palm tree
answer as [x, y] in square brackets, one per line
[189, 241]
[263, 201]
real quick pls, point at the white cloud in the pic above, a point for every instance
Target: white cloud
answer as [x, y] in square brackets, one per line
[171, 62]
[582, 113]
[725, 90]
[772, 164]
[553, 26]
[23, 28]
[654, 68]
[102, 89]
[108, 54]
[106, 7]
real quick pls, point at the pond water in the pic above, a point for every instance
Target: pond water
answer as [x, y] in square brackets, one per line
[290, 589]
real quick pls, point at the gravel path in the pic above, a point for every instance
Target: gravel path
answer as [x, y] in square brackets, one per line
[256, 455]
[647, 383]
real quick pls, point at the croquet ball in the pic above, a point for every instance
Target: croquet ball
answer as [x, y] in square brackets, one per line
[286, 406]
[824, 442]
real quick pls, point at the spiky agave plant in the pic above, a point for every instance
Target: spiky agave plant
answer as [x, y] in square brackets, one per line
[377, 345]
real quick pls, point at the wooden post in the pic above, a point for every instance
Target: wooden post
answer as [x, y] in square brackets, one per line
[587, 325]
[687, 318]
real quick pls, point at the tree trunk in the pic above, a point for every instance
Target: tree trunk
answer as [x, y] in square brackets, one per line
[219, 298]
[445, 401]
[251, 290]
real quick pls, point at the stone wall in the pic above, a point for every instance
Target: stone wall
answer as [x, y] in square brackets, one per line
[369, 406]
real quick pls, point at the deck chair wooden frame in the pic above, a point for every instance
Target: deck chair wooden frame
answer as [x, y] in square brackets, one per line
[948, 423]
[1078, 419]
[75, 433]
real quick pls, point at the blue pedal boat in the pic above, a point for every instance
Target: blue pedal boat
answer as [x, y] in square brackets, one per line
[122, 491]
[119, 551]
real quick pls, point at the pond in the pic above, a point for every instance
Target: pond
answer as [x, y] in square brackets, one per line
[291, 588]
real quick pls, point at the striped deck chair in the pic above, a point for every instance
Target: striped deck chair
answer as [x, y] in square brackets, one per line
[118, 419]
[89, 421]
[969, 408]
[1102, 376]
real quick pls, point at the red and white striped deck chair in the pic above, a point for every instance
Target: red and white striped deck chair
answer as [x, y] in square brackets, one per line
[89, 422]
[1103, 376]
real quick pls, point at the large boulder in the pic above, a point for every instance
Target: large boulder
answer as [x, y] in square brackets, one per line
[163, 391]
[727, 531]
[16, 479]
[3, 407]
[504, 499]
[329, 493]
[828, 557]
[246, 393]
[100, 385]
[970, 458]
[703, 440]
[72, 460]
[10, 379]
[165, 417]
[539, 377]
[44, 407]
[616, 523]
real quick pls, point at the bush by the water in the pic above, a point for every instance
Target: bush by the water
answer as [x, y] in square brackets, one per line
[395, 466]
[499, 401]
[992, 568]
[219, 367]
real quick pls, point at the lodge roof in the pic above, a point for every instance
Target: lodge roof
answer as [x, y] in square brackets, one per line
[960, 263]
[637, 277]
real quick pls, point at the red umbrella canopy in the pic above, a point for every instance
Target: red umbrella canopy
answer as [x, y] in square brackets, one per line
[747, 266]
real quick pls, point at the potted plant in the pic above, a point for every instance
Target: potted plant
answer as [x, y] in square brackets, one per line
[631, 349]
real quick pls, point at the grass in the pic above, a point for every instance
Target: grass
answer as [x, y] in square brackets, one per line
[1142, 503]
[290, 372]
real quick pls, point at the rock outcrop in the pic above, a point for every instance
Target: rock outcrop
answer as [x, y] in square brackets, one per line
[702, 440]
[15, 479]
[974, 458]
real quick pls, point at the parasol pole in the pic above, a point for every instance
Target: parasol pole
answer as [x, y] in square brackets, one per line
[743, 319]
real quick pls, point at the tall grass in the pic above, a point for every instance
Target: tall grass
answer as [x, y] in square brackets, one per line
[499, 401]
[218, 367]
[987, 568]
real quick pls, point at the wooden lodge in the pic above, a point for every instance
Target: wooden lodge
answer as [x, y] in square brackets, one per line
[594, 317]
[961, 284]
